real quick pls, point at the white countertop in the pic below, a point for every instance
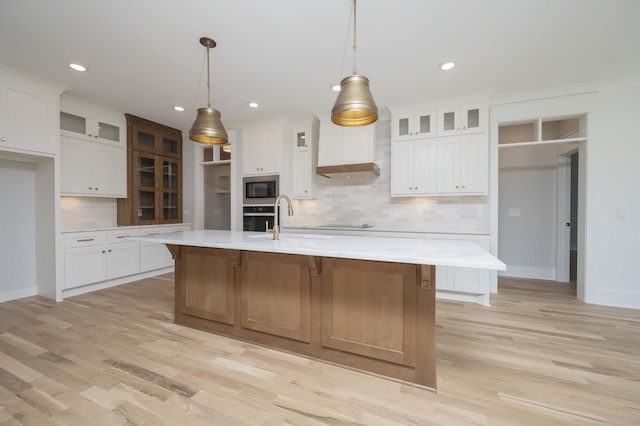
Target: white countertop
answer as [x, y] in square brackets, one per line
[439, 252]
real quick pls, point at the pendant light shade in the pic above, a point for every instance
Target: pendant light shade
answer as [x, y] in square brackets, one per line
[355, 105]
[207, 127]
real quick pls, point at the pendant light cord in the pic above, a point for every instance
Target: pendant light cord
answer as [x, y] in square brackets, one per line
[355, 45]
[208, 81]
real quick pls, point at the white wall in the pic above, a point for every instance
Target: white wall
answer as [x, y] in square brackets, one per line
[17, 230]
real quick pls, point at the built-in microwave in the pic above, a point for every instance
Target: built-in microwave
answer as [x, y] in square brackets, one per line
[260, 189]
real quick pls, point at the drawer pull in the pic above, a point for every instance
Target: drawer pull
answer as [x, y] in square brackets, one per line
[85, 240]
[123, 236]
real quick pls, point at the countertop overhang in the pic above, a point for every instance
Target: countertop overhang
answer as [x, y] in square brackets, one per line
[438, 252]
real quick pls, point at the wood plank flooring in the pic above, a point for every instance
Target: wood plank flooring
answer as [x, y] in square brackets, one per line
[537, 356]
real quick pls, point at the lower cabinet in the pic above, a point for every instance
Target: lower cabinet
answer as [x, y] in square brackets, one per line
[97, 256]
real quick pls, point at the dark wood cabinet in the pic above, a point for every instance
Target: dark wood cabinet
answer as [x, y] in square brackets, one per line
[154, 177]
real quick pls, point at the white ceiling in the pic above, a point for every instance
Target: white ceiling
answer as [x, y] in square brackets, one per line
[144, 55]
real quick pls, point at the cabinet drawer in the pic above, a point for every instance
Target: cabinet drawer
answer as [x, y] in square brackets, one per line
[120, 235]
[82, 239]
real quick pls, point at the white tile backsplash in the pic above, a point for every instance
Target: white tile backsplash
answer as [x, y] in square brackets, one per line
[88, 212]
[358, 201]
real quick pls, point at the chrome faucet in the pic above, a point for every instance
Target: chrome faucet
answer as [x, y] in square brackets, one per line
[276, 227]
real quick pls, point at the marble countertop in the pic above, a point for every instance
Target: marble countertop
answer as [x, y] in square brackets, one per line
[439, 252]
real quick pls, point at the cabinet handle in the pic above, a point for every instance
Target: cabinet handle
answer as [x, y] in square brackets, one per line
[85, 240]
[103, 251]
[3, 139]
[96, 188]
[90, 187]
[96, 136]
[123, 236]
[457, 187]
[89, 135]
[109, 250]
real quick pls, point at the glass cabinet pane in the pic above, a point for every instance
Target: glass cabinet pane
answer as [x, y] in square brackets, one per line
[301, 140]
[109, 132]
[169, 145]
[145, 140]
[146, 171]
[170, 206]
[473, 118]
[73, 123]
[449, 121]
[425, 124]
[146, 205]
[169, 175]
[403, 127]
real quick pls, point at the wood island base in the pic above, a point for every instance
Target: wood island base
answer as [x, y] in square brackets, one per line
[378, 317]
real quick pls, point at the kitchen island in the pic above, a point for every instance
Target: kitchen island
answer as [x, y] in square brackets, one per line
[363, 302]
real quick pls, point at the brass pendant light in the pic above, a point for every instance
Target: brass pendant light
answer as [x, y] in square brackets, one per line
[207, 127]
[355, 105]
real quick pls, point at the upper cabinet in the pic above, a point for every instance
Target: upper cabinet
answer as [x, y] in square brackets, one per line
[304, 159]
[414, 124]
[462, 119]
[261, 150]
[154, 182]
[84, 120]
[463, 165]
[28, 113]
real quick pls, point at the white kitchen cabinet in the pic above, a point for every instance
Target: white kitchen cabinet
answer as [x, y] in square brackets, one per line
[28, 113]
[304, 159]
[81, 119]
[345, 145]
[413, 168]
[413, 125]
[155, 255]
[464, 280]
[90, 258]
[462, 119]
[92, 168]
[261, 151]
[463, 165]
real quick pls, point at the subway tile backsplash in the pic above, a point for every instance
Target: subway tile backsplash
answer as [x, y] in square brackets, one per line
[355, 202]
[88, 212]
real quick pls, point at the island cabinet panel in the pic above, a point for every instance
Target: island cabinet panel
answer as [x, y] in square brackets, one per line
[208, 286]
[369, 308]
[276, 294]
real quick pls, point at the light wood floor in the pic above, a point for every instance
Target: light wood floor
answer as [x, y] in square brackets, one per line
[536, 357]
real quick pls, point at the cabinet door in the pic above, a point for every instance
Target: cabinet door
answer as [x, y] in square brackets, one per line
[170, 194]
[301, 139]
[84, 265]
[74, 167]
[171, 144]
[424, 124]
[471, 280]
[301, 174]
[448, 177]
[448, 121]
[251, 151]
[402, 126]
[109, 169]
[144, 139]
[154, 256]
[271, 151]
[122, 259]
[424, 167]
[474, 165]
[444, 278]
[144, 187]
[473, 118]
[402, 168]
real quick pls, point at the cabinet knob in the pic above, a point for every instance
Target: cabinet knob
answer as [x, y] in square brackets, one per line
[96, 136]
[3, 139]
[109, 250]
[416, 188]
[96, 188]
[463, 187]
[89, 135]
[103, 251]
[90, 188]
[457, 187]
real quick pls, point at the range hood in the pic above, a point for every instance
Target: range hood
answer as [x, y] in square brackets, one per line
[349, 169]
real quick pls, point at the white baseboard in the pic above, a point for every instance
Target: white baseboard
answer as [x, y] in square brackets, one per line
[115, 282]
[618, 298]
[531, 272]
[7, 296]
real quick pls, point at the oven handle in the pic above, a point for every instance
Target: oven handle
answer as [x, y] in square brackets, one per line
[259, 214]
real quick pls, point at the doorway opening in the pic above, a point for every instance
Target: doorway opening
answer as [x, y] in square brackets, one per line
[538, 202]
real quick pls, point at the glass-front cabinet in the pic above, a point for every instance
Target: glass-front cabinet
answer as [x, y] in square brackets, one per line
[413, 125]
[155, 177]
[84, 120]
[462, 119]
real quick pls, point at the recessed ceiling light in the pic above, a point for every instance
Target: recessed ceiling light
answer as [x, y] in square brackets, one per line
[447, 66]
[77, 67]
[335, 87]
[178, 107]
[253, 104]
